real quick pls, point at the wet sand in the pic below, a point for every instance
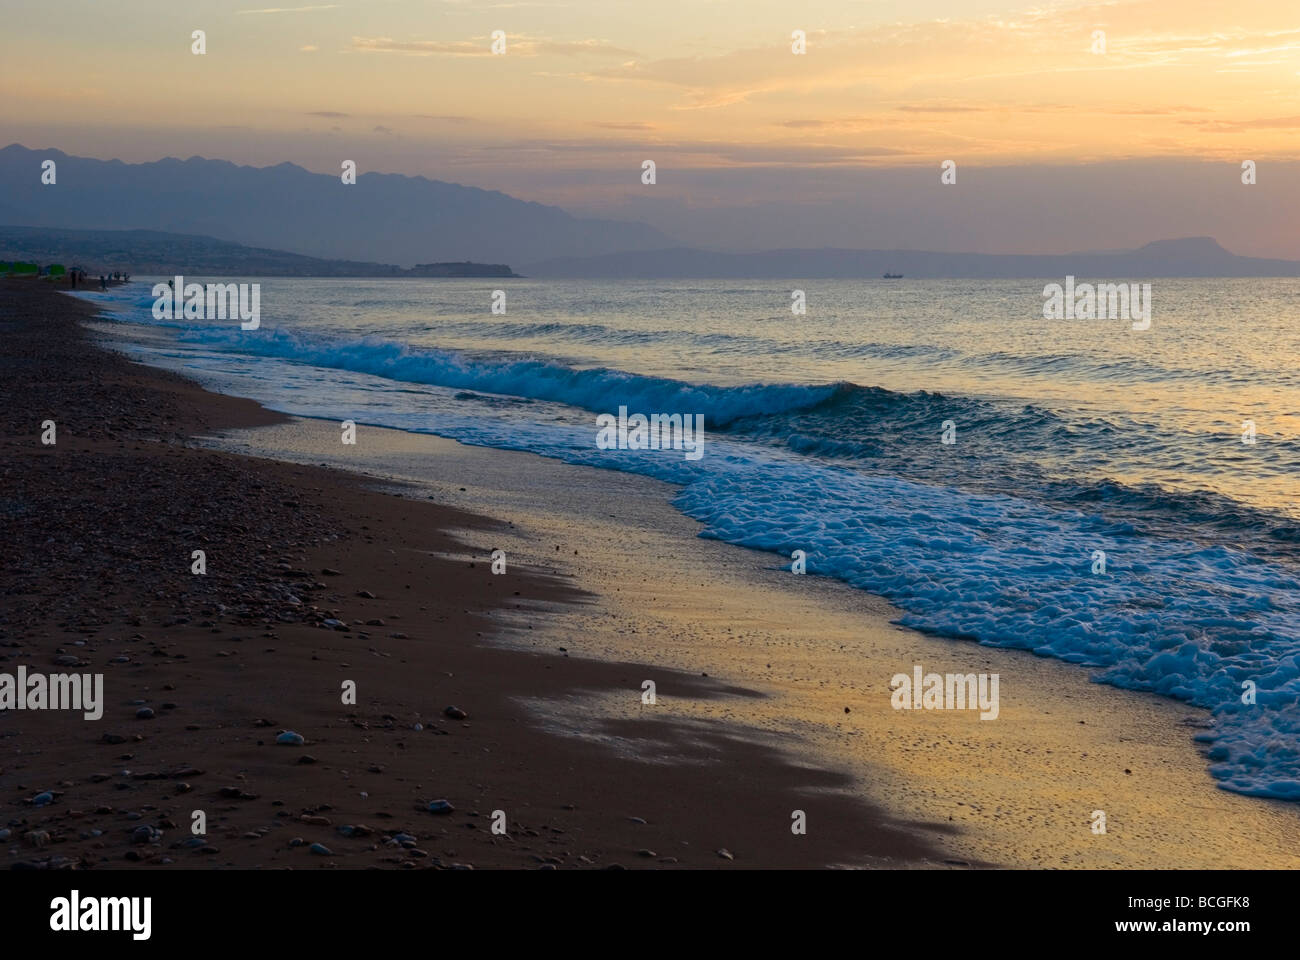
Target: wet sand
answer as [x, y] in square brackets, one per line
[1018, 791]
[772, 690]
[315, 582]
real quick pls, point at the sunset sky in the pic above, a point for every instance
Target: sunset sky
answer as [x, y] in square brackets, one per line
[707, 88]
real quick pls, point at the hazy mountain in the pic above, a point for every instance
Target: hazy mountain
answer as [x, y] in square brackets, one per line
[152, 252]
[1189, 257]
[383, 217]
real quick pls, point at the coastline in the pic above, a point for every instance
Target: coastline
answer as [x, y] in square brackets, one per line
[719, 764]
[1016, 792]
[98, 534]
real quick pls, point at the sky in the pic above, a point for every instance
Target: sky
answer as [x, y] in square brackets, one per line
[1170, 96]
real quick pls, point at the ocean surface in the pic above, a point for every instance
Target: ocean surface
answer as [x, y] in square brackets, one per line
[824, 434]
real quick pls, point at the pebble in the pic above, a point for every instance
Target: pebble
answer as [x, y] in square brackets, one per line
[145, 834]
[144, 713]
[290, 739]
[6, 834]
[456, 713]
[321, 850]
[41, 799]
[726, 854]
[440, 806]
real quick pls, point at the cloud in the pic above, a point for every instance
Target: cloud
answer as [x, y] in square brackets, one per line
[520, 45]
[578, 48]
[331, 114]
[1232, 126]
[421, 48]
[939, 108]
[326, 6]
[310, 48]
[704, 154]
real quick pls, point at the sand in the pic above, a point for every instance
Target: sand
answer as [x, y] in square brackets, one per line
[1018, 791]
[96, 538]
[606, 587]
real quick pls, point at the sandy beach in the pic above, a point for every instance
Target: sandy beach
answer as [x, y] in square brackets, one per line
[202, 673]
[771, 690]
[1016, 792]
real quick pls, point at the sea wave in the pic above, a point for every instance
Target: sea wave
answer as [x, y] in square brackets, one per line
[820, 468]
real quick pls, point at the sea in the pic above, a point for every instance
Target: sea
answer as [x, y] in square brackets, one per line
[1124, 500]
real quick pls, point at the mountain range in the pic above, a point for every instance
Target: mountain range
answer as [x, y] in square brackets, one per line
[387, 218]
[217, 217]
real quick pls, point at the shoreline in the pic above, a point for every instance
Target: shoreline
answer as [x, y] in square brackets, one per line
[99, 531]
[630, 594]
[1016, 792]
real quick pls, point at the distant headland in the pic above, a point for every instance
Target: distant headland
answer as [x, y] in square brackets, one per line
[153, 252]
